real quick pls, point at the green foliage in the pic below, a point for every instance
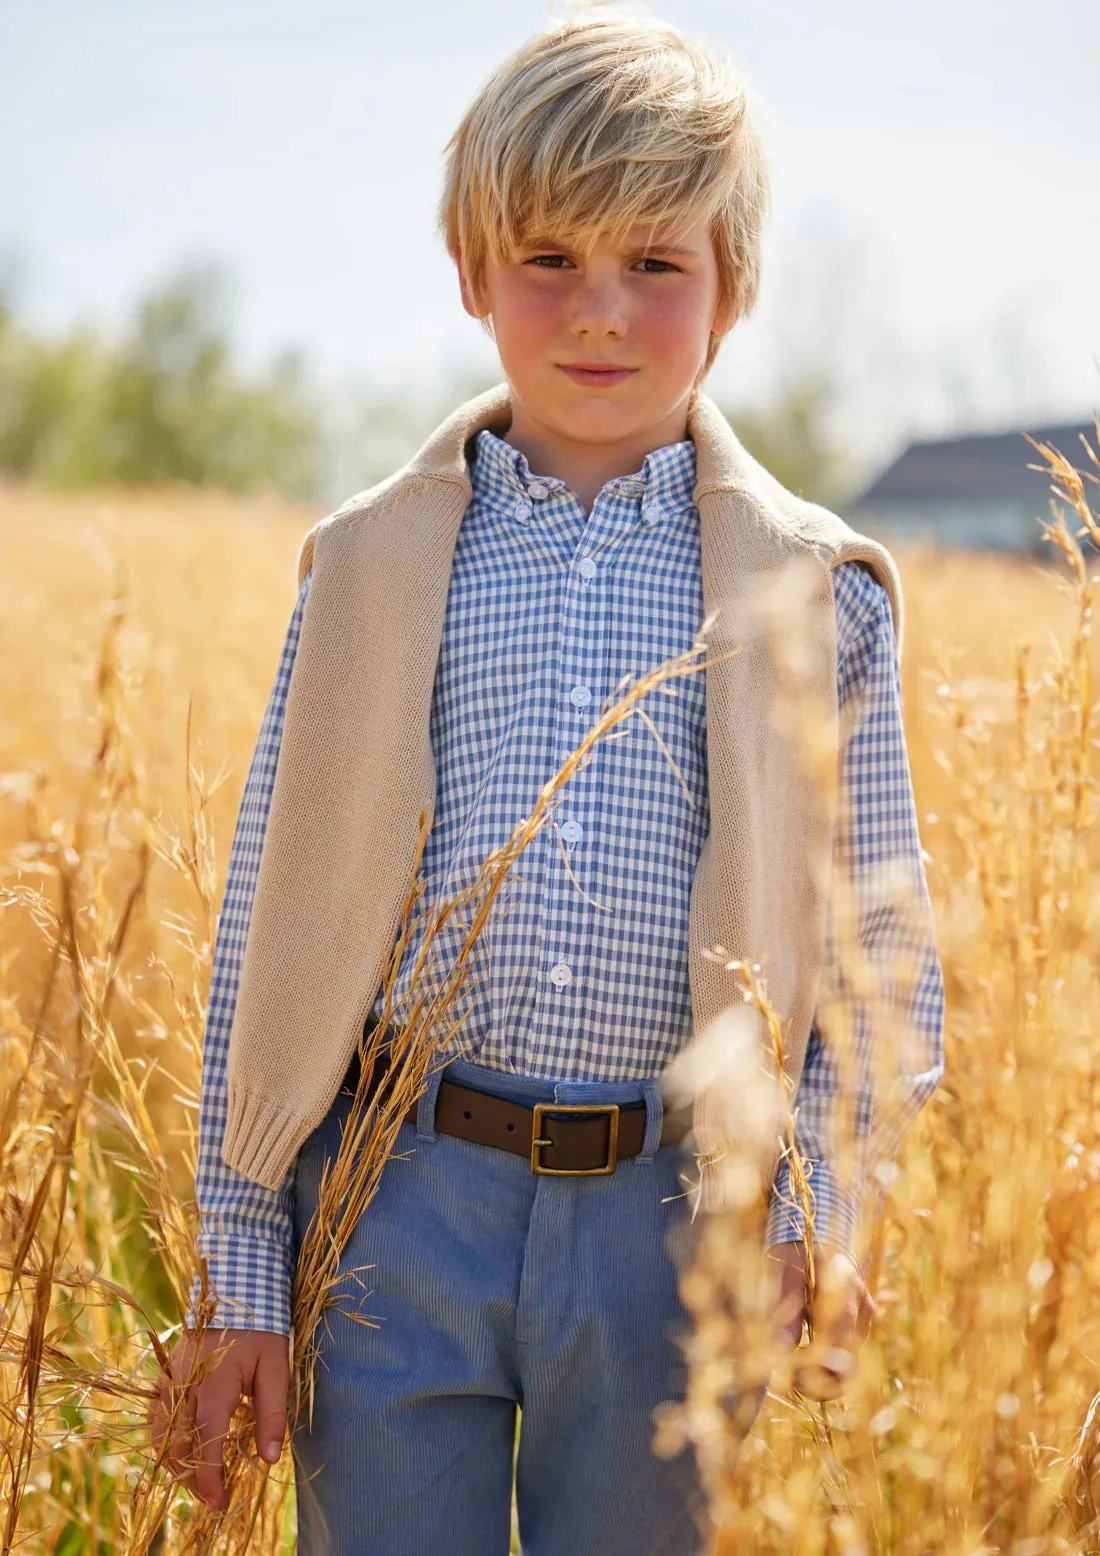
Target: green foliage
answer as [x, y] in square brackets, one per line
[791, 439]
[166, 403]
[379, 428]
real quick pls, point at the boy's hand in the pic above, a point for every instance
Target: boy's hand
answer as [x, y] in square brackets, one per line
[839, 1318]
[252, 1363]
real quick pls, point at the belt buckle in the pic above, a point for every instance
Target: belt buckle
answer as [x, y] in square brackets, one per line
[537, 1143]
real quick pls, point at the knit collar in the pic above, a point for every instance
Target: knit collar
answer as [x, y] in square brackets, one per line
[724, 469]
[663, 485]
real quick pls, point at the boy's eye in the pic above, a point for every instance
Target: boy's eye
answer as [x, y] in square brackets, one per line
[538, 259]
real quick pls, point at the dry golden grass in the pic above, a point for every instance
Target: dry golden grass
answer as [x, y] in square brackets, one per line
[968, 1427]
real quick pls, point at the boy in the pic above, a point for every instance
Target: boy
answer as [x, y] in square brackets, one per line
[457, 628]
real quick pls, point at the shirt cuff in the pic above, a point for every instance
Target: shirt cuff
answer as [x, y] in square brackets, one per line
[250, 1281]
[836, 1210]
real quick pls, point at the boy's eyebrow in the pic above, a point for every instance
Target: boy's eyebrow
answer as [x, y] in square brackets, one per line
[541, 241]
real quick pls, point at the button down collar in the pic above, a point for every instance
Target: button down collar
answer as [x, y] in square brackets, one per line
[501, 472]
[668, 480]
[664, 484]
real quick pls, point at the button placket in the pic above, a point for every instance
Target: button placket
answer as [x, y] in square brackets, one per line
[555, 920]
[564, 957]
[605, 531]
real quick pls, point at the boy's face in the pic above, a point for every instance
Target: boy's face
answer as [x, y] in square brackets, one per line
[646, 304]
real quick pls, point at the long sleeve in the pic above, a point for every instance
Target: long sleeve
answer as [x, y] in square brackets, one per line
[244, 1228]
[882, 853]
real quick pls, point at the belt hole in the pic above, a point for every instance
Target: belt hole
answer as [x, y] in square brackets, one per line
[511, 1129]
[467, 1114]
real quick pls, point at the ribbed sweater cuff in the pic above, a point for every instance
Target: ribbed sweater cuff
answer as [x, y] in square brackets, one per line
[260, 1140]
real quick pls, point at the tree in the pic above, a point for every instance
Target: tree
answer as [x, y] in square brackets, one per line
[165, 404]
[791, 438]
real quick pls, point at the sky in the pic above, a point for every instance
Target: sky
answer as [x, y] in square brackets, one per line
[935, 241]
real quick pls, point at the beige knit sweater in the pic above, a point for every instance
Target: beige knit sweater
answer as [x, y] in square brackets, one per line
[356, 769]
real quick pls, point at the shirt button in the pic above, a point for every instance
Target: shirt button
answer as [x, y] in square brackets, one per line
[523, 511]
[572, 832]
[586, 567]
[538, 491]
[651, 513]
[561, 974]
[580, 696]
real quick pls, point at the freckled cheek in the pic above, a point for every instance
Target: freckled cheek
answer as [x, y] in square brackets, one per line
[528, 315]
[672, 326]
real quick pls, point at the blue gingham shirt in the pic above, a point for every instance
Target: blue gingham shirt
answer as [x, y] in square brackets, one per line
[581, 972]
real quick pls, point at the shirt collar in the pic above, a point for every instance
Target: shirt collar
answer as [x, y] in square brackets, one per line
[663, 485]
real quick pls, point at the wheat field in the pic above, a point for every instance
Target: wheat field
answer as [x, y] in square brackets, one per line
[139, 636]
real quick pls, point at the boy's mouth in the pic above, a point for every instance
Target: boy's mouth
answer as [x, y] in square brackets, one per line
[600, 375]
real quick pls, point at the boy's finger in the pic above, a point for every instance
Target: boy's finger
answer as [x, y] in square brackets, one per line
[269, 1391]
[212, 1416]
[789, 1309]
[180, 1425]
[825, 1374]
[835, 1316]
[157, 1418]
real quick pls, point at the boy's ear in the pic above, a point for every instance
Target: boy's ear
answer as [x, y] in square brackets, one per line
[725, 317]
[468, 301]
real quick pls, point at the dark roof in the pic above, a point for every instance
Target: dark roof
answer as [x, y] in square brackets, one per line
[989, 465]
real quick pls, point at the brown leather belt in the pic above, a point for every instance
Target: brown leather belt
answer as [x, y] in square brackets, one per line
[564, 1139]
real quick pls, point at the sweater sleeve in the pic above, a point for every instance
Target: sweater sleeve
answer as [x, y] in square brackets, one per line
[244, 1228]
[892, 1073]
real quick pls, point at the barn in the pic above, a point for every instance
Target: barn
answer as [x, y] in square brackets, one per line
[972, 492]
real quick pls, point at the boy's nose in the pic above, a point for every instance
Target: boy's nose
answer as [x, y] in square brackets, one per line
[599, 309]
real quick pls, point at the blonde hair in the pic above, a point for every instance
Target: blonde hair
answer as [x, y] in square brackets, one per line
[601, 123]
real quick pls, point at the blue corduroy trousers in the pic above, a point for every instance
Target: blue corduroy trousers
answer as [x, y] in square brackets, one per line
[492, 1290]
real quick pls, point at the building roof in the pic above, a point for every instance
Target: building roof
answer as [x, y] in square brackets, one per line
[979, 465]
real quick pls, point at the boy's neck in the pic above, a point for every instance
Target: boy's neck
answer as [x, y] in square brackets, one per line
[587, 467]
